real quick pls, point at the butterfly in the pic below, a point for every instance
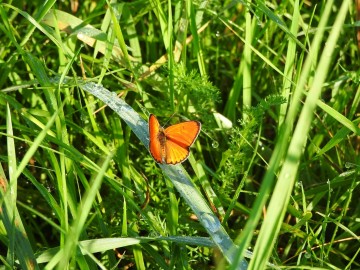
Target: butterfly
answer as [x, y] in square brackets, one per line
[172, 144]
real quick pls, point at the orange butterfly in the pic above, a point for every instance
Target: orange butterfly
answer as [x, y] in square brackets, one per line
[172, 144]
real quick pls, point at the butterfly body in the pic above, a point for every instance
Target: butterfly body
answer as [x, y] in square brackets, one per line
[171, 145]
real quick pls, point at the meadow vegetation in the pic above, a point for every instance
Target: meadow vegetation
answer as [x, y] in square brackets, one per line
[272, 180]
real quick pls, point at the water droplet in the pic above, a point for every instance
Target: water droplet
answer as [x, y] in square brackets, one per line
[84, 119]
[216, 238]
[210, 222]
[215, 144]
[349, 165]
[114, 95]
[217, 34]
[307, 255]
[299, 184]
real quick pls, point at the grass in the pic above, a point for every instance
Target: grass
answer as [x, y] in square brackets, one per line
[272, 180]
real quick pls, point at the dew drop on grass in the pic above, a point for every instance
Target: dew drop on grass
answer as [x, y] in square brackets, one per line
[10, 166]
[215, 144]
[210, 222]
[216, 238]
[84, 119]
[114, 94]
[349, 165]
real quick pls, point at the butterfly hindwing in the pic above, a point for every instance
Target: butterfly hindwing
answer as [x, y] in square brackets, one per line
[175, 153]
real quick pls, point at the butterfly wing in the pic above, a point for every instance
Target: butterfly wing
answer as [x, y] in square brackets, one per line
[175, 153]
[172, 145]
[156, 150]
[184, 134]
[179, 138]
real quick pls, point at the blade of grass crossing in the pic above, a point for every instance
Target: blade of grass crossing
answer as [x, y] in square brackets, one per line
[283, 138]
[19, 244]
[170, 56]
[119, 35]
[207, 187]
[173, 214]
[196, 41]
[231, 103]
[355, 105]
[287, 176]
[132, 34]
[124, 228]
[24, 162]
[247, 66]
[160, 14]
[181, 31]
[109, 45]
[72, 237]
[122, 143]
[339, 117]
[11, 157]
[44, 9]
[128, 60]
[139, 258]
[12, 194]
[105, 25]
[336, 139]
[289, 64]
[38, 26]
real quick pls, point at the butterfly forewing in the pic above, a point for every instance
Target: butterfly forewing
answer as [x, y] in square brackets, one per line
[155, 145]
[184, 134]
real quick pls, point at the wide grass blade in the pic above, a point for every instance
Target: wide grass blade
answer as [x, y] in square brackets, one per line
[176, 173]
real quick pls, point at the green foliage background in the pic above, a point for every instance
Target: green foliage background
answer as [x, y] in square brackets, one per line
[275, 85]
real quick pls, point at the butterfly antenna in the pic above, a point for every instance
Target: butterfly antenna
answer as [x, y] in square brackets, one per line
[169, 118]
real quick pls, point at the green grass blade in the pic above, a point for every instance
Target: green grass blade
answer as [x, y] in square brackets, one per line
[282, 141]
[19, 245]
[288, 173]
[62, 258]
[290, 63]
